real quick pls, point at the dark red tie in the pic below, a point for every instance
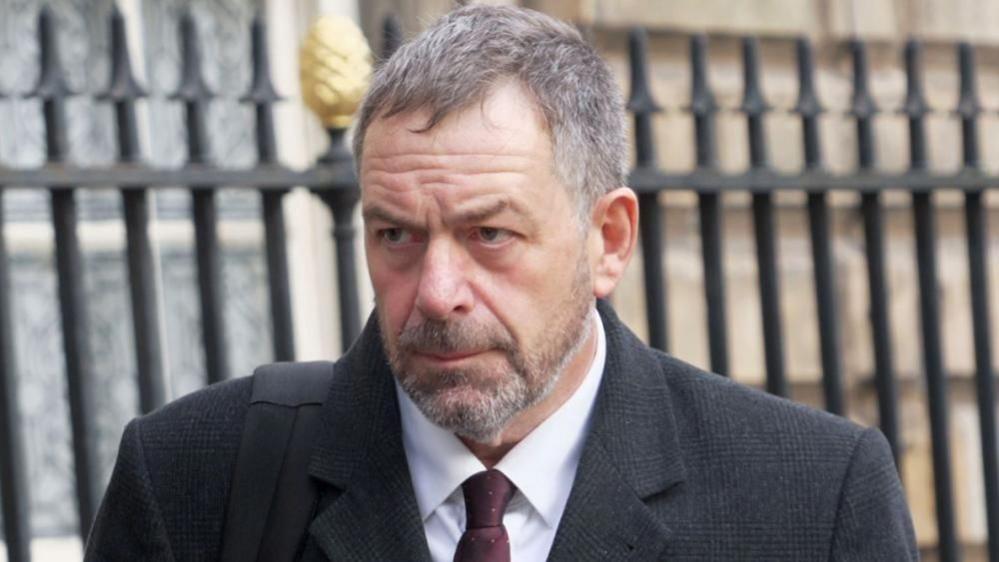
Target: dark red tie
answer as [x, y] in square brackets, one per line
[485, 538]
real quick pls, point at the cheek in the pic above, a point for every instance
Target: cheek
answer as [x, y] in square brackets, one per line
[395, 293]
[524, 297]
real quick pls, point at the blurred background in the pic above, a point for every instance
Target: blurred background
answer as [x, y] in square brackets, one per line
[812, 295]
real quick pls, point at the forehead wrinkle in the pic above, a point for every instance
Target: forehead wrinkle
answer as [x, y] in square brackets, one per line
[466, 162]
[434, 180]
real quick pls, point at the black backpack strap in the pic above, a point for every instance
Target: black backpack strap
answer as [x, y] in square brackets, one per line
[272, 497]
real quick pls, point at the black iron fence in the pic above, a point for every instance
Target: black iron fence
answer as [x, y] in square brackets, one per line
[333, 180]
[763, 182]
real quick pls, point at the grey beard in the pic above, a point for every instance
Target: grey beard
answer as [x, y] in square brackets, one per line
[531, 376]
[484, 421]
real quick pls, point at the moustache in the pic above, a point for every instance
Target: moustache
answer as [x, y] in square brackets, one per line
[442, 336]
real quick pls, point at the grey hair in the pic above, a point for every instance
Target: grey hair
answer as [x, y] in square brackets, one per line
[458, 60]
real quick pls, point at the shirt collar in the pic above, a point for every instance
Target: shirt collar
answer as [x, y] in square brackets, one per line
[542, 466]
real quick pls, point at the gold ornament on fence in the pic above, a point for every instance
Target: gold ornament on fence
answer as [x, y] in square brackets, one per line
[335, 69]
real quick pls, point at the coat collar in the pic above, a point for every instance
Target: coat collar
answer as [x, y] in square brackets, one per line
[633, 420]
[372, 514]
[631, 455]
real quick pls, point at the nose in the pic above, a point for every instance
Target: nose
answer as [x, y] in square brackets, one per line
[443, 288]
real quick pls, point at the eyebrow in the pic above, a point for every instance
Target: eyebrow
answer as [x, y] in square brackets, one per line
[489, 210]
[374, 212]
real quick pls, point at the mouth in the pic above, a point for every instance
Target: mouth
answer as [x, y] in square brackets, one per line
[449, 357]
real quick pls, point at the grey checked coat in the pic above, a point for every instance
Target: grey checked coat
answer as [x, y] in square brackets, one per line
[680, 465]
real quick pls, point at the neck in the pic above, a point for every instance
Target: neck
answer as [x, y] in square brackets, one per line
[490, 453]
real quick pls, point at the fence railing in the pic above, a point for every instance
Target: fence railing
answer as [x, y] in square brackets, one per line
[762, 182]
[332, 179]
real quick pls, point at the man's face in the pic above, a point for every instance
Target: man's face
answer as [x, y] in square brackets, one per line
[480, 267]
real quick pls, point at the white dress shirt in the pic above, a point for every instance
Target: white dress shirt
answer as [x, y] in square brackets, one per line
[542, 467]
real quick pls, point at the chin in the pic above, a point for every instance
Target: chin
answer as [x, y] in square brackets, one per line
[460, 399]
[475, 411]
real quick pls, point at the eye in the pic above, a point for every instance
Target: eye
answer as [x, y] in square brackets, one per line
[396, 236]
[492, 236]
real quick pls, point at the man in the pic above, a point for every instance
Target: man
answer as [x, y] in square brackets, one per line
[495, 408]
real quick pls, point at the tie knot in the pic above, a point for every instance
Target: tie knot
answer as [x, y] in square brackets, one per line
[486, 495]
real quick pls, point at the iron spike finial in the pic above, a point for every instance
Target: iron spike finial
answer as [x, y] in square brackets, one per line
[391, 35]
[915, 105]
[968, 106]
[192, 86]
[123, 85]
[808, 104]
[261, 87]
[641, 100]
[753, 100]
[52, 79]
[862, 105]
[702, 101]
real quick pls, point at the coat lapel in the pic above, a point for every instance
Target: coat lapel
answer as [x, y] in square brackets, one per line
[367, 509]
[631, 456]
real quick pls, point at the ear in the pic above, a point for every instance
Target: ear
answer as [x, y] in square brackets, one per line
[613, 234]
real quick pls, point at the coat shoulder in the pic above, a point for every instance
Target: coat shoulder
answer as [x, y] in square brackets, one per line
[211, 411]
[752, 457]
[188, 448]
[719, 406]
